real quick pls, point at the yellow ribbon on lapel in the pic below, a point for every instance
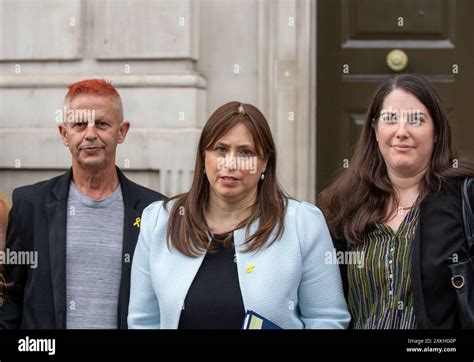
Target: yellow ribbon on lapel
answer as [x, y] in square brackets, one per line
[137, 222]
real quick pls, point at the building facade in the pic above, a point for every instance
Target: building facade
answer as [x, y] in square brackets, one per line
[173, 62]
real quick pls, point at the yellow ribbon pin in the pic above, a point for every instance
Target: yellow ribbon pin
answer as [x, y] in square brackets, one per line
[137, 222]
[250, 267]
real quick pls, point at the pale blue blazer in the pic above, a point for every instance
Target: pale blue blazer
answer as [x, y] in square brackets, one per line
[290, 284]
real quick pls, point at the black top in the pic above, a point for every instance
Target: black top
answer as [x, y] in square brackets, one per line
[214, 300]
[438, 236]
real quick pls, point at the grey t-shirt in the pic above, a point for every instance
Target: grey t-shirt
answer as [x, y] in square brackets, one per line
[94, 239]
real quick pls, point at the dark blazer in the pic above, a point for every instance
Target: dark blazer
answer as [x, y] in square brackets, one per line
[438, 236]
[37, 222]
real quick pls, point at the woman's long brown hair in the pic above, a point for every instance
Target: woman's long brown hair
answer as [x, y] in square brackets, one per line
[187, 229]
[361, 194]
[4, 208]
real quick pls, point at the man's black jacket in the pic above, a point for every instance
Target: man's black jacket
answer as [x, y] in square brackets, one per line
[37, 222]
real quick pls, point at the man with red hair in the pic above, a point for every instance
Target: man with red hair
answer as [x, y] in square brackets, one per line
[82, 226]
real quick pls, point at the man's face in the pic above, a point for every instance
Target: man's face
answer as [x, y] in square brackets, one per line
[92, 129]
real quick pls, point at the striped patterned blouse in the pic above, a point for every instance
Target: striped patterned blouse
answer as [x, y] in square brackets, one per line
[380, 293]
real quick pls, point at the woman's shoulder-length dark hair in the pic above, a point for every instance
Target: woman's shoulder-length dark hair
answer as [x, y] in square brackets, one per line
[360, 195]
[187, 230]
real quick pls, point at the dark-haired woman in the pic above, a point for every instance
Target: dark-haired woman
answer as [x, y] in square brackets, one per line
[399, 207]
[234, 242]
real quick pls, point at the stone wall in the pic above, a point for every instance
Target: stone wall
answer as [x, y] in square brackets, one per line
[173, 62]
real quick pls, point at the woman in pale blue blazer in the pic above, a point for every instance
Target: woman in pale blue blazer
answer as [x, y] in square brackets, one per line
[235, 242]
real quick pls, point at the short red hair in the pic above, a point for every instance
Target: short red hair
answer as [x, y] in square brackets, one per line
[98, 87]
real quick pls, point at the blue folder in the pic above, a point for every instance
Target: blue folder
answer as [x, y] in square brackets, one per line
[256, 321]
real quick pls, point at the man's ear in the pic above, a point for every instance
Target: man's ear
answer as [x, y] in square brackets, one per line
[123, 130]
[63, 132]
